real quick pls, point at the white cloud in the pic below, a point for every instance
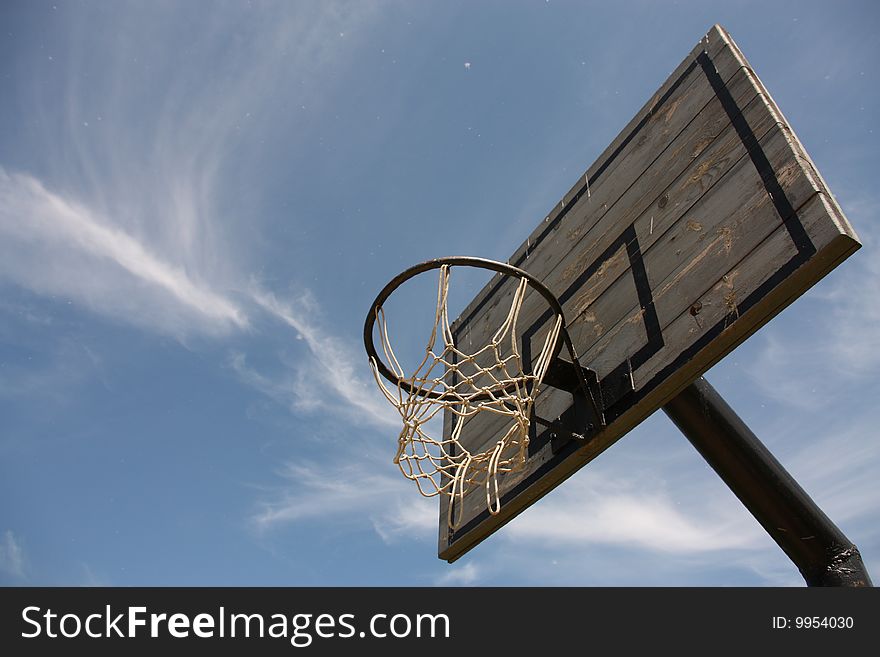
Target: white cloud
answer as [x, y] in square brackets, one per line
[145, 206]
[834, 331]
[331, 367]
[12, 558]
[593, 509]
[56, 246]
[410, 517]
[290, 389]
[367, 492]
[651, 500]
[852, 326]
[836, 461]
[147, 210]
[319, 492]
[460, 575]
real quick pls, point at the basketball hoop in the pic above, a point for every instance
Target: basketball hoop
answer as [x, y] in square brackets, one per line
[492, 379]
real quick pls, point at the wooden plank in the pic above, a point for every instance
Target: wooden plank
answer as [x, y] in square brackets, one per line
[692, 254]
[722, 301]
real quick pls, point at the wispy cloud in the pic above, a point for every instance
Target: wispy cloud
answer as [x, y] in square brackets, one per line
[619, 523]
[12, 557]
[331, 363]
[834, 331]
[407, 517]
[56, 246]
[319, 492]
[146, 207]
[460, 575]
[852, 327]
[289, 388]
[836, 463]
[654, 501]
[150, 209]
[593, 509]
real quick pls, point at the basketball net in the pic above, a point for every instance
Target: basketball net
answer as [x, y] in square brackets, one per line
[486, 392]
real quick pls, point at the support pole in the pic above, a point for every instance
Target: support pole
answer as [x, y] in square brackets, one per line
[817, 547]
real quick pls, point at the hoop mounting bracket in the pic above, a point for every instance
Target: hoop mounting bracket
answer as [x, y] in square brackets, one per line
[584, 384]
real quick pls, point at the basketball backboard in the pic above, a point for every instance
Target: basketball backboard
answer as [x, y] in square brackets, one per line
[701, 221]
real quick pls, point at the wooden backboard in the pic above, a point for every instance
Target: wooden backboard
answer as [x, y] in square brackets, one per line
[701, 221]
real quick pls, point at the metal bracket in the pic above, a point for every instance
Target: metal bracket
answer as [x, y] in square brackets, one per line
[584, 421]
[558, 428]
[617, 385]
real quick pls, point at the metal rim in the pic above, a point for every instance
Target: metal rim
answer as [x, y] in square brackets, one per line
[452, 261]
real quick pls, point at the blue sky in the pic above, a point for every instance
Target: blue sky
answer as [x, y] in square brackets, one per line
[198, 201]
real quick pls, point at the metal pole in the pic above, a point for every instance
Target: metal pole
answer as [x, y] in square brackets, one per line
[817, 547]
